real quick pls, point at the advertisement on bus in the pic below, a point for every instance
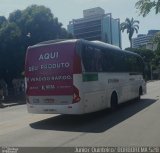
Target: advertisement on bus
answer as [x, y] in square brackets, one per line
[49, 70]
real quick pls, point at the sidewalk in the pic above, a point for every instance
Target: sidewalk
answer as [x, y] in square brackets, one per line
[12, 101]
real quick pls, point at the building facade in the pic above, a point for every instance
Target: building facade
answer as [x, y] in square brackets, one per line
[145, 40]
[96, 25]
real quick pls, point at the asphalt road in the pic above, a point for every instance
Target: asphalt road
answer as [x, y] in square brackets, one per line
[133, 124]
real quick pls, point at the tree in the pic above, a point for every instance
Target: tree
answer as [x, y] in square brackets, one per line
[23, 28]
[146, 54]
[9, 61]
[145, 6]
[131, 26]
[3, 21]
[156, 40]
[38, 21]
[148, 58]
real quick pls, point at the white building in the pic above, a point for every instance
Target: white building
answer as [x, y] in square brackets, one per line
[96, 25]
[145, 40]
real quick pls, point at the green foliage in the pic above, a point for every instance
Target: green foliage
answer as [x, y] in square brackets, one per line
[151, 59]
[39, 22]
[9, 51]
[145, 6]
[156, 40]
[131, 26]
[146, 54]
[156, 61]
[9, 33]
[23, 28]
[3, 21]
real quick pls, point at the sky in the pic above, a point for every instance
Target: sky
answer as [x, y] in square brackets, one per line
[66, 10]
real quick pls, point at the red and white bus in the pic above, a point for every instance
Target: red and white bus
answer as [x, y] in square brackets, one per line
[79, 76]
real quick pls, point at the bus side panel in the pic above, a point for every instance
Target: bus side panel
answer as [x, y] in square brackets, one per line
[92, 93]
[97, 94]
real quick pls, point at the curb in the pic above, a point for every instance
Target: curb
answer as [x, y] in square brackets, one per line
[4, 105]
[8, 105]
[152, 81]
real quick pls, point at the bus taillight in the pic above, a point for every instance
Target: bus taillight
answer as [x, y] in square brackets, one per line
[76, 97]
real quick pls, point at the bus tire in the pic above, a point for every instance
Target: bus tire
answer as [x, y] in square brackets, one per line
[114, 101]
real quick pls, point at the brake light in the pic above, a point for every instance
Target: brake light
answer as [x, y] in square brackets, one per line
[76, 97]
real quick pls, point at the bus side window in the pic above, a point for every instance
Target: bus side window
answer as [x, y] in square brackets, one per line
[128, 61]
[112, 61]
[119, 65]
[98, 60]
[88, 59]
[105, 62]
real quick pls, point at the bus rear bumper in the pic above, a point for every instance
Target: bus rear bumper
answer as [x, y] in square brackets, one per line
[55, 109]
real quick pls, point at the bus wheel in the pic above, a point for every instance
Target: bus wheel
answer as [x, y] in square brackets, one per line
[140, 93]
[114, 101]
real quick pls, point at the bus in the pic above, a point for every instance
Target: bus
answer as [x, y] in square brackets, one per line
[79, 76]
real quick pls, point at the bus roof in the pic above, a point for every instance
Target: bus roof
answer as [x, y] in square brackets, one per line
[105, 44]
[56, 41]
[97, 43]
[109, 46]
